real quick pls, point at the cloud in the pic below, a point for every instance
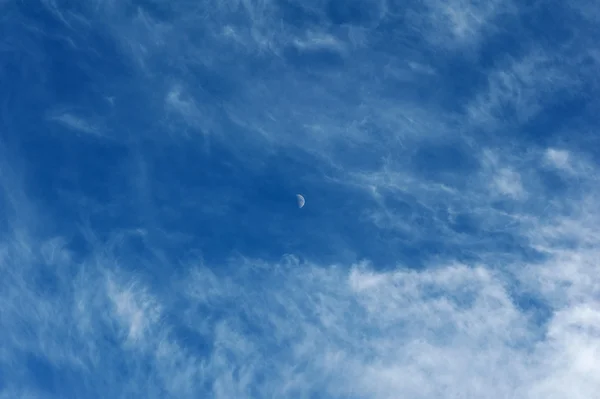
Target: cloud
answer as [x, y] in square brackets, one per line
[557, 158]
[77, 124]
[285, 39]
[508, 182]
[504, 180]
[489, 286]
[295, 329]
[135, 310]
[454, 329]
[462, 23]
[315, 40]
[519, 89]
[183, 105]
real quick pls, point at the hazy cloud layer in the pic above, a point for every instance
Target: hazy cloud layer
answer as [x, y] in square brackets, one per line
[150, 245]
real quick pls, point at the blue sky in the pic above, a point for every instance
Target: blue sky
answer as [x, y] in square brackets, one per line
[150, 241]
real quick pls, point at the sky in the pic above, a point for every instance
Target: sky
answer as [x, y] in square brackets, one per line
[151, 245]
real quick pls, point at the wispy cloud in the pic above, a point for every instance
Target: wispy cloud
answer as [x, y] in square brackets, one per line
[489, 285]
[339, 330]
[77, 123]
[508, 182]
[558, 158]
[461, 23]
[521, 88]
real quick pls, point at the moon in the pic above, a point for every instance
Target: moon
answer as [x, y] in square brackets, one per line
[301, 200]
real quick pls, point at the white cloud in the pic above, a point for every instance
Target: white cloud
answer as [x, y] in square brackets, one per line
[77, 123]
[135, 309]
[558, 158]
[452, 330]
[136, 323]
[508, 182]
[292, 328]
[460, 23]
[520, 88]
[317, 40]
[579, 167]
[182, 107]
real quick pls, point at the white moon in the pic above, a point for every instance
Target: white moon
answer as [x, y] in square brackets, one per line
[301, 200]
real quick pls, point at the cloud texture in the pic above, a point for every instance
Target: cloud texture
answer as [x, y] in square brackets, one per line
[150, 245]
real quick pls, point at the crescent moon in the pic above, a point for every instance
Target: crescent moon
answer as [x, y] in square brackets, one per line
[301, 200]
